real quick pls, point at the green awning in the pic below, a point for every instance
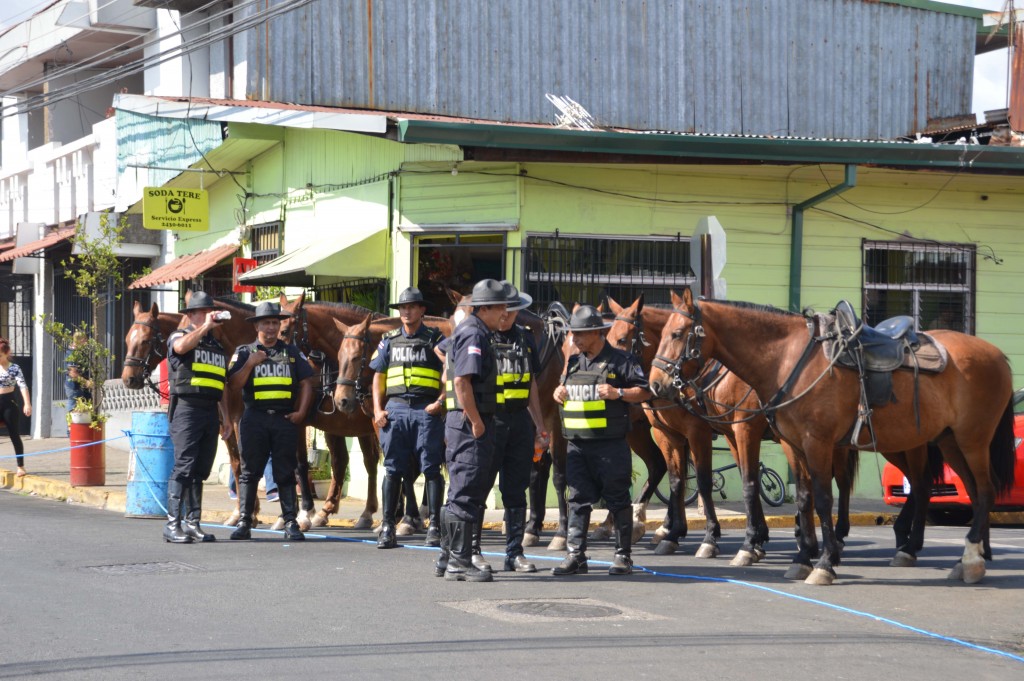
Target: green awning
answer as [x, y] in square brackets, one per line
[348, 254]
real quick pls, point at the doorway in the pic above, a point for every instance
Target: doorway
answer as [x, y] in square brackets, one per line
[455, 261]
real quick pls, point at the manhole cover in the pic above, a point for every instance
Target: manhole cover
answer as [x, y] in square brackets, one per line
[559, 609]
[142, 568]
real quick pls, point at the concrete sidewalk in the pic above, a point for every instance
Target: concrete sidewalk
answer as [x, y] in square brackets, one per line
[47, 463]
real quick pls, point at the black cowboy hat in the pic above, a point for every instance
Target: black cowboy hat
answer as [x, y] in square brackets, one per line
[410, 295]
[515, 299]
[587, 318]
[488, 292]
[267, 310]
[199, 300]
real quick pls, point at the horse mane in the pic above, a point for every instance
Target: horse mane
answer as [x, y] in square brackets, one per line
[758, 307]
[228, 300]
[349, 307]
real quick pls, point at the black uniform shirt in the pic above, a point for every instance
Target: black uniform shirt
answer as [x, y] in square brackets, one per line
[469, 349]
[302, 368]
[624, 370]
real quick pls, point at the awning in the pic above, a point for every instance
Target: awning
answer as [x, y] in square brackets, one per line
[51, 239]
[186, 267]
[351, 253]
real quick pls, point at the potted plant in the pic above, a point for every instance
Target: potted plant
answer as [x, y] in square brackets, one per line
[96, 271]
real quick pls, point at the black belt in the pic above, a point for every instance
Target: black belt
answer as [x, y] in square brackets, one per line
[272, 412]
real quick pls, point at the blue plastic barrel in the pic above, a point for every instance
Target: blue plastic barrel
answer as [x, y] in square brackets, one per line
[150, 465]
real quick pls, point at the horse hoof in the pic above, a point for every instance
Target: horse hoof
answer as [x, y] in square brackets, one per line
[820, 577]
[666, 547]
[363, 523]
[638, 532]
[278, 525]
[759, 554]
[320, 519]
[659, 534]
[305, 525]
[743, 559]
[557, 544]
[798, 571]
[600, 534]
[233, 519]
[903, 559]
[405, 530]
[707, 551]
[973, 572]
[530, 539]
[957, 573]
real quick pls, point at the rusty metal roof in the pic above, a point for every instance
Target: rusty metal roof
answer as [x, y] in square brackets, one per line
[51, 239]
[185, 267]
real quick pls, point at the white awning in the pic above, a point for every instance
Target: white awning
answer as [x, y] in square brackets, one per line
[352, 253]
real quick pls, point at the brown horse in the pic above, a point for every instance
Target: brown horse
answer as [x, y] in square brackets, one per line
[716, 401]
[312, 328]
[965, 409]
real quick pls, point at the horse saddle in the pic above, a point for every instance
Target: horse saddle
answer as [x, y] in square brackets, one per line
[892, 344]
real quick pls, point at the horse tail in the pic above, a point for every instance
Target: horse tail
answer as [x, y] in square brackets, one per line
[1002, 452]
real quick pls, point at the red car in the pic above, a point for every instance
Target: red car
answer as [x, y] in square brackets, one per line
[950, 502]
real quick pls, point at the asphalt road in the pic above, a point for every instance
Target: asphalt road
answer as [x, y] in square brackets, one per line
[88, 594]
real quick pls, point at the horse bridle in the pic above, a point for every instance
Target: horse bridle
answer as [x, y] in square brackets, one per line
[362, 393]
[639, 341]
[157, 341]
[673, 368]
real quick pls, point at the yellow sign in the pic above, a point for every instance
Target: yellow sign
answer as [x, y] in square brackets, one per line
[184, 210]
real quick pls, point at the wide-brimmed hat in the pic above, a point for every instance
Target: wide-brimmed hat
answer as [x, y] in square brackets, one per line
[587, 318]
[515, 299]
[488, 292]
[267, 310]
[199, 300]
[410, 295]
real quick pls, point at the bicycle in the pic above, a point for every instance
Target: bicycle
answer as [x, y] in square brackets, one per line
[772, 487]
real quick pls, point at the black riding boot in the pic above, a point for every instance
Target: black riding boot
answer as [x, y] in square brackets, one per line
[390, 492]
[441, 564]
[172, 530]
[460, 557]
[479, 562]
[538, 492]
[435, 497]
[246, 503]
[622, 564]
[194, 495]
[289, 507]
[576, 540]
[515, 526]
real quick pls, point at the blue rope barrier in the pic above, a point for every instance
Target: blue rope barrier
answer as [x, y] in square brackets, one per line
[149, 481]
[63, 449]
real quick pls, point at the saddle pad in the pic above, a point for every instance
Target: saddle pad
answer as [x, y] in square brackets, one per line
[931, 356]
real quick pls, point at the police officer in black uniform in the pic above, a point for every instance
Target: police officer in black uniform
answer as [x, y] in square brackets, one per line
[197, 366]
[518, 426]
[472, 398]
[597, 386]
[276, 384]
[408, 379]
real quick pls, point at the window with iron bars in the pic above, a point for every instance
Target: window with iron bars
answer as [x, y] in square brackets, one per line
[931, 282]
[370, 293]
[266, 241]
[585, 269]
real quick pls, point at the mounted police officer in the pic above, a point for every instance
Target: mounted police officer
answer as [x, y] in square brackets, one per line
[275, 380]
[598, 385]
[472, 398]
[197, 367]
[407, 408]
[518, 426]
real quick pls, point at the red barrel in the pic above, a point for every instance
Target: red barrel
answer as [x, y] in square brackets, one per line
[165, 386]
[88, 463]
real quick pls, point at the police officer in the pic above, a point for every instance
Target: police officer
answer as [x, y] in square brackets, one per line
[408, 383]
[596, 389]
[472, 398]
[197, 365]
[276, 384]
[518, 426]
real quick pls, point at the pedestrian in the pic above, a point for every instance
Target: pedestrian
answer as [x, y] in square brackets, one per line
[472, 398]
[407, 409]
[275, 380]
[12, 378]
[197, 371]
[599, 384]
[518, 427]
[77, 382]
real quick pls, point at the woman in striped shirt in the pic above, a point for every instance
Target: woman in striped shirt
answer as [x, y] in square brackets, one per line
[11, 378]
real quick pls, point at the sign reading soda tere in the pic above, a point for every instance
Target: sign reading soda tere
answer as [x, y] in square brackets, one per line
[185, 210]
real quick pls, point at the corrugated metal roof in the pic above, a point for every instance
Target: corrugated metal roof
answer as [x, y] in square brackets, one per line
[818, 68]
[51, 239]
[185, 267]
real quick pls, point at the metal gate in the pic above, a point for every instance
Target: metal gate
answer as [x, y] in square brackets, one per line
[16, 292]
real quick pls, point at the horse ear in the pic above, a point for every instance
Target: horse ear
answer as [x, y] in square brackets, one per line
[676, 300]
[453, 296]
[366, 322]
[301, 300]
[575, 306]
[188, 296]
[283, 300]
[153, 310]
[136, 307]
[640, 303]
[340, 326]
[688, 296]
[613, 306]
